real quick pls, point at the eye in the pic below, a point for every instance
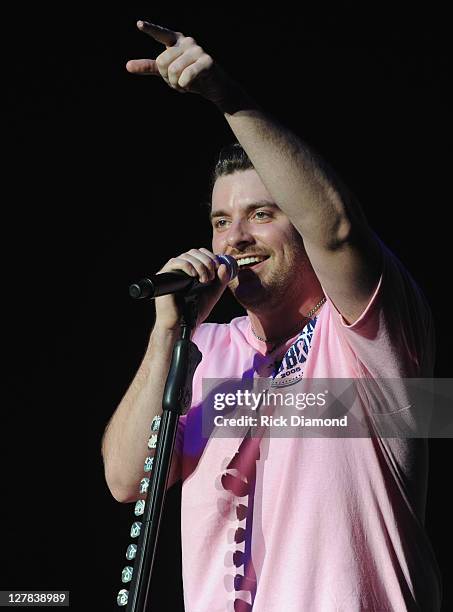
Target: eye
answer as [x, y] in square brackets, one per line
[262, 215]
[220, 223]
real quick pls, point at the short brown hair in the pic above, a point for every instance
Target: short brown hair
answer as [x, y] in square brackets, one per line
[232, 158]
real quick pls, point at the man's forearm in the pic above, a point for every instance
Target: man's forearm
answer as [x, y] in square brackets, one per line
[299, 181]
[124, 446]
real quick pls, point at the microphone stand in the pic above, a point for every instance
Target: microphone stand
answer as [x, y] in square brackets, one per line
[176, 399]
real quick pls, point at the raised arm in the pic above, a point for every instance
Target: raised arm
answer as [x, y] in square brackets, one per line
[342, 249]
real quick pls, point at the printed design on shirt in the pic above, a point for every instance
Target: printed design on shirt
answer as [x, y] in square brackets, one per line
[239, 479]
[291, 368]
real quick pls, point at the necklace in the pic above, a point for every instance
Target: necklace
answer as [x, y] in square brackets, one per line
[279, 340]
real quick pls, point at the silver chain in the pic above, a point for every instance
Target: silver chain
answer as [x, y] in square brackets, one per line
[307, 316]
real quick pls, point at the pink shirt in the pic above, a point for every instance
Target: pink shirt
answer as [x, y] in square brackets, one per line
[313, 524]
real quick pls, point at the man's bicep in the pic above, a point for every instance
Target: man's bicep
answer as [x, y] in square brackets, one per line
[349, 273]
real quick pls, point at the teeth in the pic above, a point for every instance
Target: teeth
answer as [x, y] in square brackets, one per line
[248, 260]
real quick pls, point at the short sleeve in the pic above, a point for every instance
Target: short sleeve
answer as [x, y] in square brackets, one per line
[394, 335]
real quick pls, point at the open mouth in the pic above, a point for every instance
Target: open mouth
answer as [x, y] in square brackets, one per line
[250, 262]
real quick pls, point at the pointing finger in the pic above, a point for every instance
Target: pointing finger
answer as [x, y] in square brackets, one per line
[163, 35]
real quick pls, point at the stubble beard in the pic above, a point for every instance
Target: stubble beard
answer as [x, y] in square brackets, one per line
[283, 282]
[267, 293]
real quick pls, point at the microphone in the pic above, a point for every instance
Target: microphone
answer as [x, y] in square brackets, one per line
[177, 281]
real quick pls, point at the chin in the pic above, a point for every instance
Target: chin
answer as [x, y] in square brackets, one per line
[250, 294]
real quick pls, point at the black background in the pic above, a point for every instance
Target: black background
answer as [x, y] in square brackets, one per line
[104, 174]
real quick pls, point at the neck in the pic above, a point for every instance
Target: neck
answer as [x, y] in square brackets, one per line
[283, 322]
[283, 310]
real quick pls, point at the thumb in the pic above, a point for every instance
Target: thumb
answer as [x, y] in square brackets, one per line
[223, 274]
[143, 67]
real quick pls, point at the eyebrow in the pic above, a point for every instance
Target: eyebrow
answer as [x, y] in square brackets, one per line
[248, 208]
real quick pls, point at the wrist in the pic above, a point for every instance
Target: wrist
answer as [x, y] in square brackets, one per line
[165, 338]
[231, 98]
[165, 335]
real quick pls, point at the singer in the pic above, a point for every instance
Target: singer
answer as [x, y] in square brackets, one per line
[285, 524]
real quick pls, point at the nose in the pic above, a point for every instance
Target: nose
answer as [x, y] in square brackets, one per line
[238, 235]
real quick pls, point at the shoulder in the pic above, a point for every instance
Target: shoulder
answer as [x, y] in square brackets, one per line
[396, 323]
[211, 335]
[396, 295]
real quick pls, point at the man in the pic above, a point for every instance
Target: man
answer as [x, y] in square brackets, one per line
[272, 524]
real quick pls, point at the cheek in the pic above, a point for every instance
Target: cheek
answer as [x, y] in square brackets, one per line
[271, 238]
[217, 244]
[294, 252]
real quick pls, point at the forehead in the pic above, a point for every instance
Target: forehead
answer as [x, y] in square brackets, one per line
[238, 190]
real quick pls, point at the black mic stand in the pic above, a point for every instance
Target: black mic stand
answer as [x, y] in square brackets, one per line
[176, 399]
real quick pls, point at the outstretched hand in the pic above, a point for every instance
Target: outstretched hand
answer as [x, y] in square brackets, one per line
[184, 65]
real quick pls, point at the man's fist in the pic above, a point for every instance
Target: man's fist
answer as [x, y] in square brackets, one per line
[201, 264]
